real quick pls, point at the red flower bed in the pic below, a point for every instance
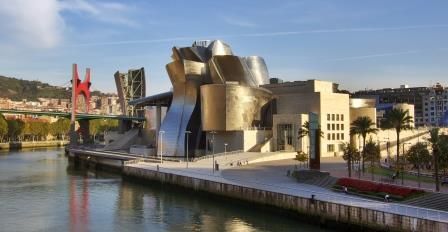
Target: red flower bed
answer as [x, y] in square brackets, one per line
[368, 186]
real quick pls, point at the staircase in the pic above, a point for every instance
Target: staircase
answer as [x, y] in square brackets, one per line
[438, 201]
[320, 179]
[124, 142]
[324, 182]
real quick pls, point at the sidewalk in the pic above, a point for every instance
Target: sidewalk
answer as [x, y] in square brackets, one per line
[271, 176]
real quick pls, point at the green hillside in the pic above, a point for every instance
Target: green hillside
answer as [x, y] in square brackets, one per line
[18, 89]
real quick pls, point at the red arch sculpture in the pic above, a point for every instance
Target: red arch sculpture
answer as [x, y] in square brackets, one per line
[81, 88]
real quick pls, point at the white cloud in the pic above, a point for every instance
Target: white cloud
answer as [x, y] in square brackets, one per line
[108, 12]
[35, 23]
[238, 22]
[40, 23]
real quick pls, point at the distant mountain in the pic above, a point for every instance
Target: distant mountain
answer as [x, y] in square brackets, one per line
[18, 89]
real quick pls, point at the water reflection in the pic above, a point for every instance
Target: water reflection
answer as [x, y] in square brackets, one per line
[79, 205]
[38, 186]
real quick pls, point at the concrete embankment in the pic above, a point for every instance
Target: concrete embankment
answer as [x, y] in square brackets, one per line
[322, 211]
[35, 144]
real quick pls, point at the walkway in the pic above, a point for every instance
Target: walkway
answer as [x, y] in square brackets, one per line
[271, 176]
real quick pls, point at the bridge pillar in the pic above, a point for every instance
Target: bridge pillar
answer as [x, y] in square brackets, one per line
[84, 129]
[124, 125]
[73, 135]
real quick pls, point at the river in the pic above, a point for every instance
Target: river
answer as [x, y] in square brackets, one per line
[40, 192]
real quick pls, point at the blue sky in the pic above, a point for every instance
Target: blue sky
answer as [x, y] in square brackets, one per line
[358, 44]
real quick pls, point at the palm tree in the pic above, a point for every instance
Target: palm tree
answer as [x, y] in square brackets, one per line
[363, 126]
[399, 120]
[305, 131]
[434, 140]
[349, 155]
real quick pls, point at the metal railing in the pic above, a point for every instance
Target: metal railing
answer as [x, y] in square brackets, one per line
[216, 155]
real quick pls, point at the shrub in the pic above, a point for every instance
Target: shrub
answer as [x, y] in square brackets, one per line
[378, 189]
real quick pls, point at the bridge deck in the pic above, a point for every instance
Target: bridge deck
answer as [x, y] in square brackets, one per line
[79, 116]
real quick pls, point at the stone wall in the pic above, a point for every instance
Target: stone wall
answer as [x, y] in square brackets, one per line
[324, 211]
[35, 144]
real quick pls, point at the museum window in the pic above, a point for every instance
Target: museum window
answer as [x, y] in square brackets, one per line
[337, 136]
[328, 126]
[342, 117]
[337, 126]
[332, 126]
[342, 136]
[330, 147]
[328, 117]
[332, 117]
[328, 136]
[342, 126]
[337, 117]
[333, 137]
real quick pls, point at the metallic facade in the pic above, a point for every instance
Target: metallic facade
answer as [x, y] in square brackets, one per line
[212, 90]
[232, 107]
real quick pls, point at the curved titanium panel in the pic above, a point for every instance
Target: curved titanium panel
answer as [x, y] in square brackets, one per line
[186, 78]
[219, 48]
[258, 68]
[222, 106]
[242, 106]
[230, 68]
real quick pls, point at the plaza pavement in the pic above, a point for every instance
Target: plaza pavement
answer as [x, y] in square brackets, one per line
[271, 176]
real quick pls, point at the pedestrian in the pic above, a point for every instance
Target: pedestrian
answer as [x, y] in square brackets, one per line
[345, 190]
[386, 198]
[312, 200]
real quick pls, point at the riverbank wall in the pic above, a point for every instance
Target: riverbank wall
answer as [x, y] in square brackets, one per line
[323, 211]
[35, 144]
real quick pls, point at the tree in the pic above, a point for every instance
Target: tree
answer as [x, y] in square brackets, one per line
[399, 120]
[44, 130]
[305, 131]
[417, 155]
[3, 127]
[363, 126]
[350, 153]
[443, 154]
[20, 128]
[434, 139]
[64, 126]
[372, 154]
[101, 126]
[95, 127]
[60, 128]
[301, 156]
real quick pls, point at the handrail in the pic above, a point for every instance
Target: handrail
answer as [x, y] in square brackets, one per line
[216, 155]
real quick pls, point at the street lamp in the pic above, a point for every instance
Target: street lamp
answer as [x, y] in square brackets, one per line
[225, 150]
[161, 145]
[402, 163]
[187, 133]
[213, 150]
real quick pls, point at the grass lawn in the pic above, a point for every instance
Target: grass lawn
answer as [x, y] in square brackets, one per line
[380, 171]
